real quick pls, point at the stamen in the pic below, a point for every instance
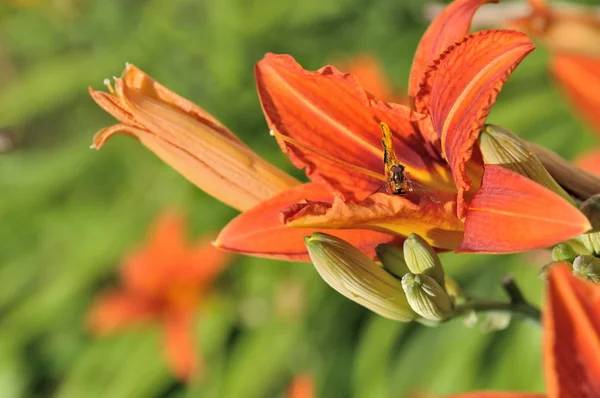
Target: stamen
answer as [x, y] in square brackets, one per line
[328, 157]
[109, 86]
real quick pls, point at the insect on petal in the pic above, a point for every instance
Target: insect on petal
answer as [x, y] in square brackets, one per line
[511, 213]
[331, 118]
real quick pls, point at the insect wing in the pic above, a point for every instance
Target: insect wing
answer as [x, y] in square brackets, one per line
[420, 189]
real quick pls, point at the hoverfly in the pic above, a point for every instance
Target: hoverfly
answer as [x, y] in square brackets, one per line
[399, 183]
[396, 179]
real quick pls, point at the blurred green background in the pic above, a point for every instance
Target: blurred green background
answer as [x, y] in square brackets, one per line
[68, 214]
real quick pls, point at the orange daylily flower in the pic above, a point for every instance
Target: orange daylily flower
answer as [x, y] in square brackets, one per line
[165, 281]
[572, 34]
[209, 155]
[188, 139]
[302, 386]
[571, 340]
[328, 124]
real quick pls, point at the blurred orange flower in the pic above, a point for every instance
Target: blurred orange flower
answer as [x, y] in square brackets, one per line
[165, 281]
[302, 386]
[329, 125]
[571, 340]
[572, 34]
[373, 78]
[590, 162]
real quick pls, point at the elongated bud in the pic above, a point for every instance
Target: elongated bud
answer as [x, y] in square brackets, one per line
[563, 252]
[591, 241]
[422, 259]
[392, 259]
[501, 147]
[426, 297]
[591, 209]
[587, 267]
[356, 276]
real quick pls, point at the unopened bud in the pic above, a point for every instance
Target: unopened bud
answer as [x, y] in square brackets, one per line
[356, 276]
[545, 270]
[563, 252]
[587, 267]
[591, 241]
[422, 259]
[426, 297]
[591, 209]
[392, 259]
[501, 147]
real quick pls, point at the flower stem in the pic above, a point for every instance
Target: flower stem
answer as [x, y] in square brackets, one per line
[517, 305]
[524, 309]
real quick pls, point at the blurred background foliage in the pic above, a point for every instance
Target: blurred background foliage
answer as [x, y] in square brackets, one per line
[69, 214]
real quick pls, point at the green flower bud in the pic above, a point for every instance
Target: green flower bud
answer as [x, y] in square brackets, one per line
[426, 297]
[501, 147]
[591, 209]
[587, 267]
[422, 259]
[563, 252]
[356, 276]
[591, 241]
[392, 258]
[543, 272]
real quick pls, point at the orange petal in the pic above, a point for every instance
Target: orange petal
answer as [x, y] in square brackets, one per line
[260, 231]
[572, 340]
[115, 310]
[179, 345]
[460, 87]
[579, 78]
[303, 386]
[590, 162]
[511, 213]
[330, 112]
[436, 223]
[189, 140]
[450, 26]
[497, 395]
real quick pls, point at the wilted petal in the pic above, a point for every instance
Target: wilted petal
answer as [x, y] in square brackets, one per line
[450, 26]
[260, 231]
[511, 213]
[572, 341]
[190, 141]
[115, 310]
[436, 223]
[460, 87]
[330, 113]
[579, 78]
[180, 349]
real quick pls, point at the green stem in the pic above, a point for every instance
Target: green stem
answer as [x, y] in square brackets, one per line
[524, 309]
[517, 305]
